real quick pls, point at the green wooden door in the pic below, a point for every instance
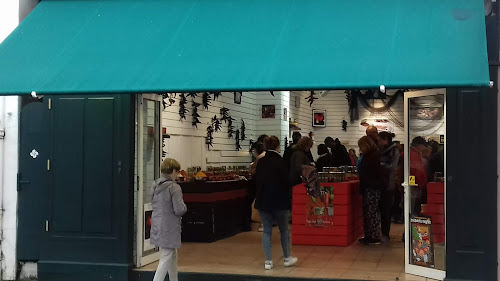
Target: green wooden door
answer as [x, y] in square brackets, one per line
[86, 233]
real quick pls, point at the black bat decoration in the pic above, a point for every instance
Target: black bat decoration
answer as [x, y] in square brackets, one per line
[272, 93]
[196, 116]
[224, 113]
[164, 101]
[182, 107]
[217, 95]
[344, 125]
[217, 124]
[206, 100]
[230, 127]
[192, 95]
[243, 128]
[209, 140]
[238, 146]
[311, 98]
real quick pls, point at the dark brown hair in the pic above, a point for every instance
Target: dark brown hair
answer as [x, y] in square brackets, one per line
[271, 142]
[387, 136]
[304, 143]
[368, 143]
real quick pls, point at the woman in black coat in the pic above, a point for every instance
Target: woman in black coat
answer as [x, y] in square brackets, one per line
[300, 158]
[272, 200]
[324, 159]
[371, 183]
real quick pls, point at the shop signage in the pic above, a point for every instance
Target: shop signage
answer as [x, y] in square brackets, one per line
[319, 210]
[422, 247]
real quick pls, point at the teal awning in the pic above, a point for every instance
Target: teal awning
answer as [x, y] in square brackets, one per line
[78, 46]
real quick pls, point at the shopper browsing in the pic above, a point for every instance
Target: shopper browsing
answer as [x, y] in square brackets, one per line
[339, 152]
[300, 158]
[324, 159]
[168, 207]
[371, 184]
[272, 200]
[389, 159]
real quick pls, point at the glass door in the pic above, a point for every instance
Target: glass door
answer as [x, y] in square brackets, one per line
[425, 168]
[148, 170]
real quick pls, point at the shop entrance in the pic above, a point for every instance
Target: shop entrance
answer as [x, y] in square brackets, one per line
[424, 170]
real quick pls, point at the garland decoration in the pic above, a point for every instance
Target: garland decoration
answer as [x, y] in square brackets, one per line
[206, 100]
[311, 98]
[344, 125]
[170, 98]
[182, 107]
[196, 116]
[192, 95]
[230, 127]
[238, 146]
[352, 101]
[209, 140]
[217, 124]
[243, 128]
[217, 95]
[224, 113]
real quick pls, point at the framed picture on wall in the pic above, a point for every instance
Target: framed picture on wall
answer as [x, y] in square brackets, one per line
[319, 118]
[268, 111]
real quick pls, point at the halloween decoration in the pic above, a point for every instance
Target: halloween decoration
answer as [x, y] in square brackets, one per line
[238, 146]
[209, 140]
[196, 116]
[182, 107]
[286, 142]
[224, 114]
[230, 127]
[311, 98]
[192, 95]
[217, 124]
[167, 100]
[272, 93]
[217, 95]
[243, 128]
[344, 125]
[207, 100]
[387, 105]
[163, 152]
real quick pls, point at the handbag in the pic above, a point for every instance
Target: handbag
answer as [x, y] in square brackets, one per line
[255, 214]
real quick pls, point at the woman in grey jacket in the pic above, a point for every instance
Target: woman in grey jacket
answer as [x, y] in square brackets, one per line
[389, 160]
[168, 207]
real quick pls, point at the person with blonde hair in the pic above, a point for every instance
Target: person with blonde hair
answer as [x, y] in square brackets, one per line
[168, 208]
[371, 183]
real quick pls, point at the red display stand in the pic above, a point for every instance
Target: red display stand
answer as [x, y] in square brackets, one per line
[347, 217]
[435, 209]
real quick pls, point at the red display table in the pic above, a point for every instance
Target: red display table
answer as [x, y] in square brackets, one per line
[435, 209]
[347, 217]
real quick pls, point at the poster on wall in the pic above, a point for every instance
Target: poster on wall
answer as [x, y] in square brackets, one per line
[319, 118]
[319, 210]
[422, 248]
[268, 111]
[146, 246]
[382, 124]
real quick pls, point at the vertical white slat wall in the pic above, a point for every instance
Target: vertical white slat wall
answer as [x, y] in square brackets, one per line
[277, 126]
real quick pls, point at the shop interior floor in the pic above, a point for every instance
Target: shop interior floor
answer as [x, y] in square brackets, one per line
[242, 255]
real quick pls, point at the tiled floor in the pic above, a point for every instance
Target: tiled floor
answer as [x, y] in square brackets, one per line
[242, 254]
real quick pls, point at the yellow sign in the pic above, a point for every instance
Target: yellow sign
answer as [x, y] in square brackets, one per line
[412, 180]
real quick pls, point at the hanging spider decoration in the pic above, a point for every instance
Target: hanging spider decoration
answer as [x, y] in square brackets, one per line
[192, 95]
[224, 113]
[311, 98]
[209, 139]
[238, 146]
[167, 100]
[182, 107]
[243, 128]
[196, 116]
[352, 101]
[272, 93]
[344, 125]
[217, 124]
[217, 95]
[286, 142]
[207, 100]
[230, 127]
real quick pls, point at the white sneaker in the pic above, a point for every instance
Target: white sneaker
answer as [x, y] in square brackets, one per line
[261, 229]
[268, 265]
[291, 261]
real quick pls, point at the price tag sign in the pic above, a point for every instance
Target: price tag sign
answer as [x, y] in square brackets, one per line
[412, 180]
